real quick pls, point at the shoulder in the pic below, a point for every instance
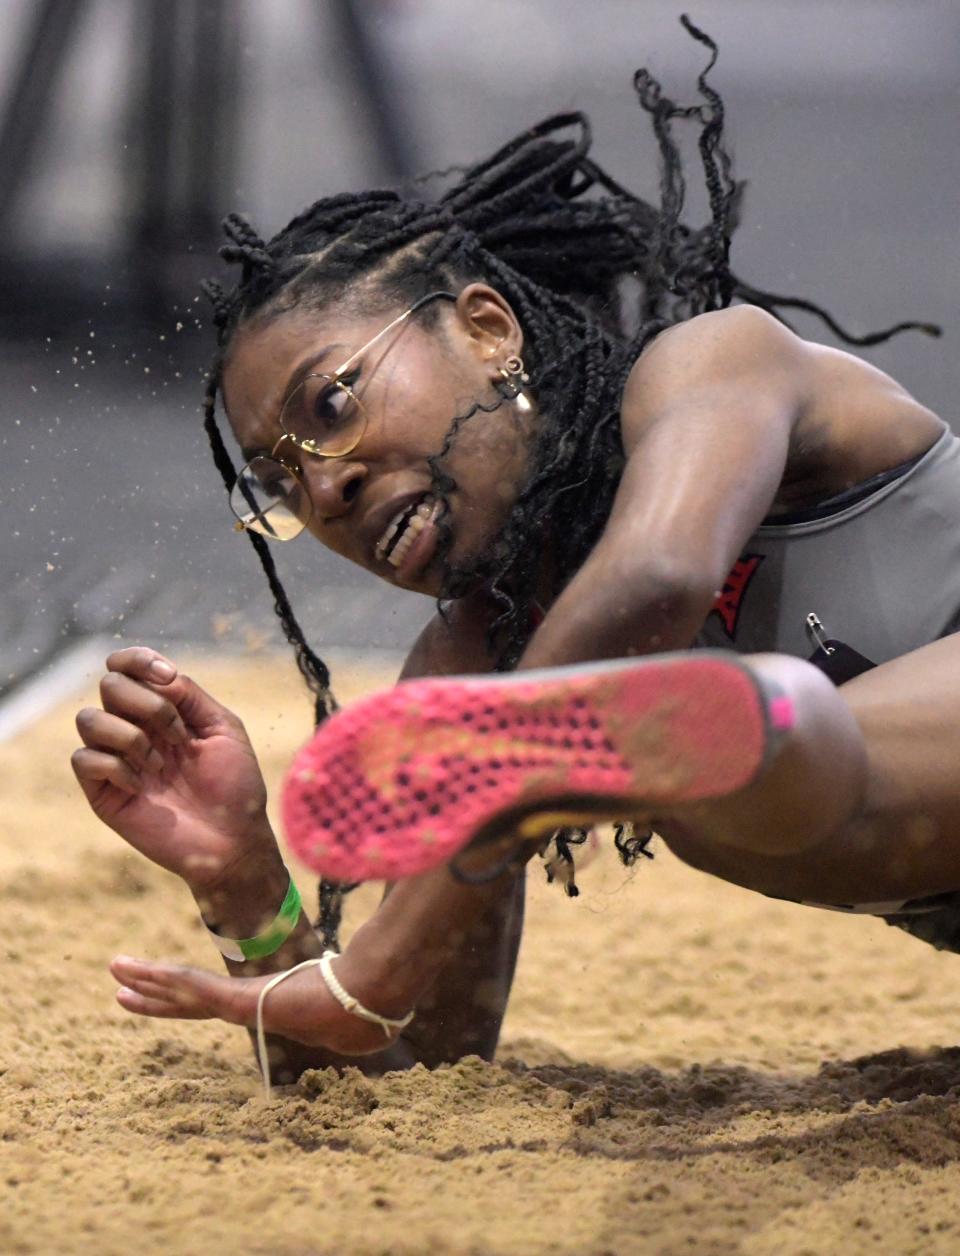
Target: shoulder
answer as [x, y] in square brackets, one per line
[743, 341]
[741, 355]
[738, 328]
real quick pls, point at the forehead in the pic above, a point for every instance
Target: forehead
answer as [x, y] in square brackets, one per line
[263, 357]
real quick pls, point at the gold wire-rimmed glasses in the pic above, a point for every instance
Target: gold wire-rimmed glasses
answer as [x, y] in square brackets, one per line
[322, 416]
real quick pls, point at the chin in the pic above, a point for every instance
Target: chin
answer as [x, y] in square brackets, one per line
[427, 583]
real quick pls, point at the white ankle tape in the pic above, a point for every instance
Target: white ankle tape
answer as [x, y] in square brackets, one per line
[346, 1001]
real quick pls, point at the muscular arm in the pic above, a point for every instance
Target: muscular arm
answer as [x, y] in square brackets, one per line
[707, 416]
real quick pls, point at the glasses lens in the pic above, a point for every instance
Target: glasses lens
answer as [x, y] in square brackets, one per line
[324, 416]
[268, 498]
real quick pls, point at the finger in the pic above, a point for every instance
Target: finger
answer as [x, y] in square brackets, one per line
[173, 990]
[171, 996]
[197, 993]
[93, 768]
[142, 1005]
[135, 702]
[134, 972]
[154, 990]
[141, 663]
[201, 712]
[102, 731]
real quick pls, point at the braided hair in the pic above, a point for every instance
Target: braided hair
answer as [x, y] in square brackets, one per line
[593, 273]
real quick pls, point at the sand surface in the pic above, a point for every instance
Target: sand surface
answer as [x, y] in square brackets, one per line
[685, 1067]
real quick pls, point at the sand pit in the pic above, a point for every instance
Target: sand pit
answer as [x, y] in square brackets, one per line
[685, 1067]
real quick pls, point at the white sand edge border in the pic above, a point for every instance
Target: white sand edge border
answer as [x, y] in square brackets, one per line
[65, 675]
[72, 670]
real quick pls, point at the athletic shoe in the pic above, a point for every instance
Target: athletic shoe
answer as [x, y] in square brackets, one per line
[404, 780]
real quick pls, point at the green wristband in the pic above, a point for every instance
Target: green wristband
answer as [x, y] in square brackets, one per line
[270, 939]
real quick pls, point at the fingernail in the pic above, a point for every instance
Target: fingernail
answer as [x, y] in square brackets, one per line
[155, 761]
[161, 671]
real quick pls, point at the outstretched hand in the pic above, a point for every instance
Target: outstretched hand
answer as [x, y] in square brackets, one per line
[301, 1008]
[171, 770]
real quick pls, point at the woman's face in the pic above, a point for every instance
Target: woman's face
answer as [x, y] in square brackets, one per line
[368, 504]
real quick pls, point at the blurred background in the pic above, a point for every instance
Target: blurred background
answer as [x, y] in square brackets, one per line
[128, 128]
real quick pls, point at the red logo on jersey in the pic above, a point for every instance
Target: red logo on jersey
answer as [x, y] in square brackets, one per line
[730, 597]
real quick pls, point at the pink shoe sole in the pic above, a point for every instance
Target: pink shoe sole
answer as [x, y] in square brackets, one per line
[403, 780]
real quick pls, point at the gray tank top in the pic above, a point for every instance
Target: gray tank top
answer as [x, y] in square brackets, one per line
[882, 574]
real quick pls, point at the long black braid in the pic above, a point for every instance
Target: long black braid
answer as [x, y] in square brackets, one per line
[574, 252]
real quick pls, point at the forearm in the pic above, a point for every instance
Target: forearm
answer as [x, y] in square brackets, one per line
[447, 949]
[462, 1013]
[616, 608]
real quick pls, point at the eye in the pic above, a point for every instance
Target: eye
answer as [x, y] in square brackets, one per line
[321, 408]
[271, 477]
[332, 403]
[278, 484]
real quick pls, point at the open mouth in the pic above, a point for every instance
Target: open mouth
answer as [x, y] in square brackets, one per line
[404, 528]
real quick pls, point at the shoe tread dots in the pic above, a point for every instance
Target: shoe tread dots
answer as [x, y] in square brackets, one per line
[401, 781]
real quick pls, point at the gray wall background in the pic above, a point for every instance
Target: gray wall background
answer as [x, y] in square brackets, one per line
[842, 114]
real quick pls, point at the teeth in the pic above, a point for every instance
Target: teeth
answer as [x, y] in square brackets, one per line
[403, 546]
[388, 533]
[412, 526]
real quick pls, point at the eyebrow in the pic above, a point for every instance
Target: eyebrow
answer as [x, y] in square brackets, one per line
[296, 379]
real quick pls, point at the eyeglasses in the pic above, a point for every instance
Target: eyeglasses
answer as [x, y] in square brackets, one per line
[322, 416]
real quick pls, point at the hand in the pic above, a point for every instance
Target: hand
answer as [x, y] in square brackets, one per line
[301, 1008]
[172, 771]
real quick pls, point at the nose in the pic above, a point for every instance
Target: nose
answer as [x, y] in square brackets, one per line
[333, 484]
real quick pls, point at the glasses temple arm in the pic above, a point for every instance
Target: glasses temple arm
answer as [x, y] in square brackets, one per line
[401, 318]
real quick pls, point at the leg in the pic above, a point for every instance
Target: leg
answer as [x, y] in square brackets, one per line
[858, 803]
[434, 765]
[881, 807]
[854, 804]
[462, 1011]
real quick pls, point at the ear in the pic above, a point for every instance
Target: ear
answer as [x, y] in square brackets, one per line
[488, 321]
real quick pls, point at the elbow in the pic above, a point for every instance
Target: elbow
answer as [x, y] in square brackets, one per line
[681, 586]
[664, 602]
